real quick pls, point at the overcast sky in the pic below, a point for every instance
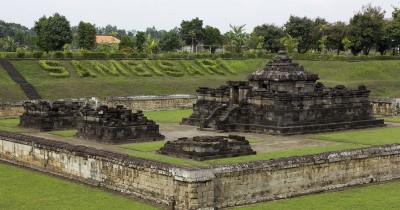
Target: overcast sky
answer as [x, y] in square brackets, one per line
[166, 14]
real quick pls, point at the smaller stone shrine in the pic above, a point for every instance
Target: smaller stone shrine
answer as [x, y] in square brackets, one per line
[116, 125]
[47, 116]
[208, 147]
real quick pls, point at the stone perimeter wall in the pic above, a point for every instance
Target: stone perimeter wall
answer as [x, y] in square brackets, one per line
[145, 103]
[204, 188]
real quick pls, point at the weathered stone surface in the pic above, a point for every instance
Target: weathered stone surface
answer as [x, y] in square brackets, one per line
[208, 147]
[47, 116]
[282, 98]
[204, 188]
[116, 125]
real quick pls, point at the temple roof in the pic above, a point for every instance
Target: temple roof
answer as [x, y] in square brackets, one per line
[281, 68]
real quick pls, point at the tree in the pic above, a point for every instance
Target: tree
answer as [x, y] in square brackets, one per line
[290, 43]
[212, 36]
[151, 45]
[336, 32]
[156, 34]
[139, 41]
[271, 35]
[86, 36]
[53, 32]
[318, 34]
[171, 40]
[366, 29]
[254, 41]
[192, 31]
[126, 44]
[41, 41]
[301, 29]
[384, 42]
[393, 29]
[236, 38]
[8, 44]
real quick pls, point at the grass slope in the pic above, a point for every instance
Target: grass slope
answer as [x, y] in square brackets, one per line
[9, 90]
[11, 125]
[168, 116]
[24, 189]
[105, 85]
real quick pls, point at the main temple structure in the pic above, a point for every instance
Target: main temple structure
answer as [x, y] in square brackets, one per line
[283, 98]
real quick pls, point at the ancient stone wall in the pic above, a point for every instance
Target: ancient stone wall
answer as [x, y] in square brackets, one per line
[386, 107]
[147, 103]
[213, 187]
[11, 109]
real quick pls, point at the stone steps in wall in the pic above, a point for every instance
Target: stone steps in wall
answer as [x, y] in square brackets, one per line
[28, 88]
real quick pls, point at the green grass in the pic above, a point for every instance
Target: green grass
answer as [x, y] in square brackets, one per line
[24, 189]
[168, 116]
[11, 125]
[106, 85]
[9, 90]
[381, 196]
[144, 147]
[395, 119]
[364, 137]
[280, 154]
[64, 133]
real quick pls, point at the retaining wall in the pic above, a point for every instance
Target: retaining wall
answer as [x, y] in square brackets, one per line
[10, 109]
[147, 103]
[204, 188]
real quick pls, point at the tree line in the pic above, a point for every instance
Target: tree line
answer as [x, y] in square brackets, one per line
[367, 30]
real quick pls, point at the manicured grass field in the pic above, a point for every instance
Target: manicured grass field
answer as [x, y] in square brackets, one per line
[168, 116]
[381, 196]
[395, 119]
[144, 147]
[382, 77]
[64, 133]
[365, 137]
[11, 125]
[24, 189]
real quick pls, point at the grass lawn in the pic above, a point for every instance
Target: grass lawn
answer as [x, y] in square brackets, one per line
[381, 196]
[24, 189]
[395, 119]
[365, 137]
[144, 147]
[11, 125]
[168, 116]
[64, 133]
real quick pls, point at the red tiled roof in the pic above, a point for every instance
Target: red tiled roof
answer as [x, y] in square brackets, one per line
[107, 39]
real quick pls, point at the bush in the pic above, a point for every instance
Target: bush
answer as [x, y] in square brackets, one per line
[191, 70]
[210, 66]
[136, 69]
[94, 55]
[69, 55]
[116, 55]
[223, 65]
[58, 54]
[54, 68]
[153, 68]
[115, 66]
[81, 70]
[102, 69]
[37, 54]
[169, 69]
[20, 54]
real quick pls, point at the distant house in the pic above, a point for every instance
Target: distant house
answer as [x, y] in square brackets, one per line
[107, 39]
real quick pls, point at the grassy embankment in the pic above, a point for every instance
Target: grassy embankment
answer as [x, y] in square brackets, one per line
[382, 77]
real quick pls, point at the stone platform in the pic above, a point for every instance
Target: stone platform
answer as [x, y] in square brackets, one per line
[208, 147]
[116, 126]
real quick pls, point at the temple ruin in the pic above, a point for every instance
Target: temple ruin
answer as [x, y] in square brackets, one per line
[48, 116]
[208, 147]
[116, 125]
[282, 98]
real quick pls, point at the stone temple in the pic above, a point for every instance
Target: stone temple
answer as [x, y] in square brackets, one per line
[116, 125]
[47, 116]
[208, 147]
[282, 98]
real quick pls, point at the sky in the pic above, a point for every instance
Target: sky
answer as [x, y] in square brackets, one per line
[167, 14]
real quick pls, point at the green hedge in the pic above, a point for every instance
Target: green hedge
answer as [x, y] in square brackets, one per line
[54, 68]
[169, 69]
[81, 70]
[136, 68]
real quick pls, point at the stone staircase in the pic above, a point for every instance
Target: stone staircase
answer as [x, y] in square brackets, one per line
[28, 89]
[221, 117]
